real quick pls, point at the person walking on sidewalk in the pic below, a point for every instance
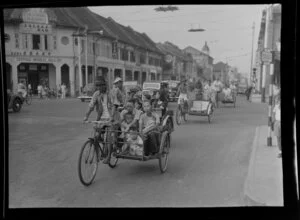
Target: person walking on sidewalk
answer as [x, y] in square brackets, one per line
[63, 91]
[277, 124]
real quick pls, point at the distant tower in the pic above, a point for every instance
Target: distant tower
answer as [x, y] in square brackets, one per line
[205, 48]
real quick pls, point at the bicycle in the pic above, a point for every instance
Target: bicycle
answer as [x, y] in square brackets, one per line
[98, 147]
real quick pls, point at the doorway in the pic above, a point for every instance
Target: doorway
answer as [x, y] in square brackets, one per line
[33, 79]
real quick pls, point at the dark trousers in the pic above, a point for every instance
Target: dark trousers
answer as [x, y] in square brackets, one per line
[151, 144]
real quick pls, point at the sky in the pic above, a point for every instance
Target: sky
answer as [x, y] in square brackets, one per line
[228, 28]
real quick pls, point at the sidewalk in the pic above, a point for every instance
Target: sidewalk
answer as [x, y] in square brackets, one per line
[264, 183]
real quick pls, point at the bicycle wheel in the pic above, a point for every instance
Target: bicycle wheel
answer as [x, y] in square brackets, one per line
[164, 152]
[178, 115]
[28, 99]
[113, 159]
[87, 160]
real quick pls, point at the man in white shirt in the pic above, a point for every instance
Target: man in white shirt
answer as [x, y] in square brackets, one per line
[217, 86]
[227, 93]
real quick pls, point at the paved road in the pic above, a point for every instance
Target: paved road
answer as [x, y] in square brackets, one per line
[207, 166]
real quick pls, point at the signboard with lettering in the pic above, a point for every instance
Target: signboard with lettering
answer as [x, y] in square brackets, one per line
[35, 28]
[35, 15]
[267, 56]
[38, 59]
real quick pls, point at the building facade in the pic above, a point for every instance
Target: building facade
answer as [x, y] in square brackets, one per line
[47, 45]
[203, 62]
[176, 64]
[269, 38]
[221, 71]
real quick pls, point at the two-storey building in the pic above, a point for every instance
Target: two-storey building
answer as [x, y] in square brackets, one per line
[47, 45]
[176, 64]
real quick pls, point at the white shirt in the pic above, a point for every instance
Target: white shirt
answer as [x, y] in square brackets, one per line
[227, 91]
[217, 85]
[105, 113]
[63, 88]
[277, 112]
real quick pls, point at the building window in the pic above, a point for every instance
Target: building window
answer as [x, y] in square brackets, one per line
[143, 59]
[17, 40]
[152, 76]
[36, 42]
[136, 76]
[46, 42]
[54, 43]
[65, 40]
[124, 55]
[132, 57]
[128, 75]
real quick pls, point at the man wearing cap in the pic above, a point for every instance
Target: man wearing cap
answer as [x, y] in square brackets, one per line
[182, 92]
[102, 102]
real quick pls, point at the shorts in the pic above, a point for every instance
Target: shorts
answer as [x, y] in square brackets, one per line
[182, 96]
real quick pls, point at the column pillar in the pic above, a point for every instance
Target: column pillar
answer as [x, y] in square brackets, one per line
[123, 74]
[72, 80]
[58, 74]
[14, 76]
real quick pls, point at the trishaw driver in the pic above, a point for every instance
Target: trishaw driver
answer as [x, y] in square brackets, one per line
[101, 101]
[182, 91]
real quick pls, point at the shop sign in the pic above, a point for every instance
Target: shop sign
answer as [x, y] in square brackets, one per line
[267, 56]
[35, 15]
[33, 28]
[38, 59]
[22, 74]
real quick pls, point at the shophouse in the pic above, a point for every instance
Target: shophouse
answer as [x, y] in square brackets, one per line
[47, 45]
[176, 64]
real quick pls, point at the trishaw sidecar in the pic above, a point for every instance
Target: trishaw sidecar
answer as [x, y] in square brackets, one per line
[202, 108]
[107, 141]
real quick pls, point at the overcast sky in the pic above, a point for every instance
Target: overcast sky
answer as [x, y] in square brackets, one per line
[228, 28]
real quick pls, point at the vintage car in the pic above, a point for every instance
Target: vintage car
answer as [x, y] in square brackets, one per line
[87, 93]
[15, 101]
[152, 89]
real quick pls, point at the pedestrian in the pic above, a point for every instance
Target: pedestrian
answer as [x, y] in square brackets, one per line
[58, 91]
[218, 85]
[63, 91]
[248, 93]
[277, 123]
[29, 89]
[40, 88]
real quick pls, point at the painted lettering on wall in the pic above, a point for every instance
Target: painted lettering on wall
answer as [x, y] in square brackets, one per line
[35, 28]
[38, 59]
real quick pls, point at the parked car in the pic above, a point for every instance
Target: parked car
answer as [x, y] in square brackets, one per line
[241, 88]
[15, 101]
[87, 93]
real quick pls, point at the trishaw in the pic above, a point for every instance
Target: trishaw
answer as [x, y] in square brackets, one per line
[197, 107]
[106, 141]
[230, 100]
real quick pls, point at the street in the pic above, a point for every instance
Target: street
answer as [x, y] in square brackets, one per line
[207, 165]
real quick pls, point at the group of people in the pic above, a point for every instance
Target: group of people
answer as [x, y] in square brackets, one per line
[205, 91]
[45, 91]
[136, 124]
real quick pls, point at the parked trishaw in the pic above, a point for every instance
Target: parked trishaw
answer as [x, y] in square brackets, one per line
[106, 137]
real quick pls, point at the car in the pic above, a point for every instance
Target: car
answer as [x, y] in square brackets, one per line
[150, 88]
[87, 93]
[15, 101]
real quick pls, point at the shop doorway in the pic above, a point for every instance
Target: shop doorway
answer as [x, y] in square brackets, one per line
[8, 77]
[33, 79]
[65, 78]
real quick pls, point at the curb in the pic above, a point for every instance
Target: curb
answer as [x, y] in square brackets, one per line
[249, 199]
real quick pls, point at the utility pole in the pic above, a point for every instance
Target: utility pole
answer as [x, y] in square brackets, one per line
[251, 66]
